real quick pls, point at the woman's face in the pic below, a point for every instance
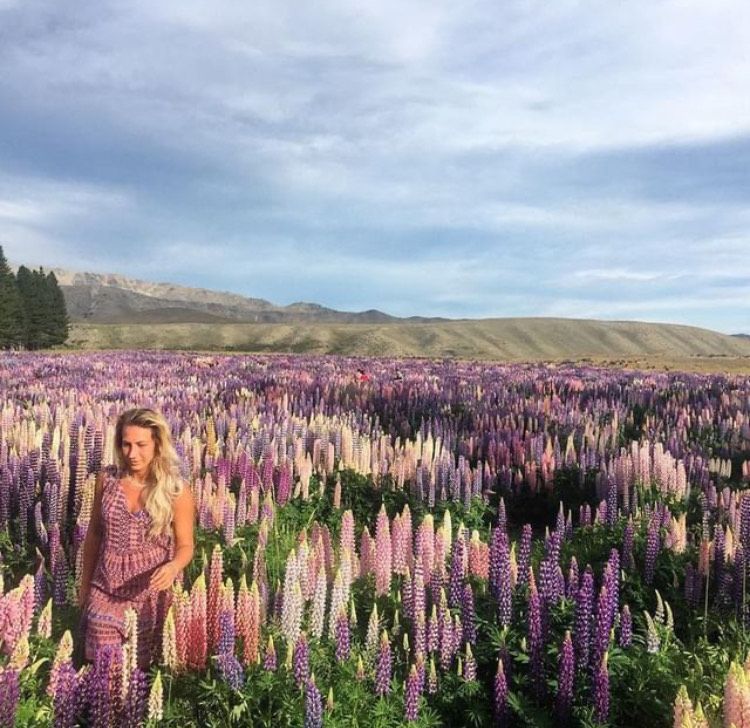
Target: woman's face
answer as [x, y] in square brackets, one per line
[138, 448]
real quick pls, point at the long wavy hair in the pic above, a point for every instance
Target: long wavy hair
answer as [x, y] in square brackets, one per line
[163, 482]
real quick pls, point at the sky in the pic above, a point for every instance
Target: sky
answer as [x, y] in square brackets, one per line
[459, 159]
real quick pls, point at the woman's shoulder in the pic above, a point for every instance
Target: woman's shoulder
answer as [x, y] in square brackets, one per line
[108, 474]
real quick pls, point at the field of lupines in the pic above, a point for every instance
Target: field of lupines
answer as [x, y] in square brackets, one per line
[440, 543]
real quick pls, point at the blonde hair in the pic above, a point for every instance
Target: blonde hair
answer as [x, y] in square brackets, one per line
[164, 482]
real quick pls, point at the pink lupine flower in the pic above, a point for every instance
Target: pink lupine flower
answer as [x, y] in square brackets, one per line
[382, 554]
[215, 584]
[198, 626]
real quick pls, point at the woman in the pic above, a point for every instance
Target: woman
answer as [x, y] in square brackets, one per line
[139, 539]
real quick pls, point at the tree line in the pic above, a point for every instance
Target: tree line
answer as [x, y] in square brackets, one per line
[32, 308]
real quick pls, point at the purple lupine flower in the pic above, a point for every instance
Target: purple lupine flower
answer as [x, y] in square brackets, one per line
[500, 696]
[627, 545]
[64, 701]
[653, 546]
[457, 574]
[383, 666]
[446, 639]
[411, 697]
[313, 705]
[40, 586]
[225, 645]
[134, 708]
[341, 633]
[565, 679]
[432, 680]
[612, 582]
[536, 641]
[470, 664]
[60, 580]
[10, 693]
[626, 627]
[524, 556]
[611, 501]
[407, 596]
[560, 521]
[571, 588]
[468, 618]
[504, 595]
[433, 631]
[583, 616]
[301, 659]
[101, 709]
[269, 656]
[739, 576]
[744, 520]
[602, 627]
[601, 691]
[230, 670]
[502, 519]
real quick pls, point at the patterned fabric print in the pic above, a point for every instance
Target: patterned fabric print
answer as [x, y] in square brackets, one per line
[128, 557]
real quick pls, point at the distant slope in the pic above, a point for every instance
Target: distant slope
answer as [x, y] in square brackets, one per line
[114, 299]
[510, 338]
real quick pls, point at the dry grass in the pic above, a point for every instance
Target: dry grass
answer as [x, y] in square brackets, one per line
[609, 343]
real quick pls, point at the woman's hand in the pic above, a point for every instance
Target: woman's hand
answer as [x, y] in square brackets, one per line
[164, 576]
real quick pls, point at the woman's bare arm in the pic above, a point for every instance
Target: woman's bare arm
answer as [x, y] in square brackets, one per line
[91, 543]
[183, 523]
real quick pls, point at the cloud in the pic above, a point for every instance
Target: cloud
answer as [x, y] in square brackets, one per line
[466, 159]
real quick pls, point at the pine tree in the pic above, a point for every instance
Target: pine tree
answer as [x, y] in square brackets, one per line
[59, 324]
[32, 285]
[12, 318]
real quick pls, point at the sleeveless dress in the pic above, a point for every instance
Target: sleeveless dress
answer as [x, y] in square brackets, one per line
[127, 558]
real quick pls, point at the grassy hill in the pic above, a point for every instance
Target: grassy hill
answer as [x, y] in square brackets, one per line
[517, 339]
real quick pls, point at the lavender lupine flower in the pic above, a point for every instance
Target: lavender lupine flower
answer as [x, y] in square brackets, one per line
[10, 694]
[536, 641]
[626, 627]
[601, 691]
[602, 627]
[230, 670]
[653, 546]
[432, 680]
[100, 699]
[226, 641]
[504, 595]
[383, 666]
[301, 659]
[500, 696]
[524, 555]
[565, 679]
[269, 657]
[583, 616]
[468, 617]
[313, 705]
[64, 701]
[411, 697]
[628, 562]
[458, 558]
[342, 636]
[571, 587]
[433, 631]
[134, 709]
[446, 640]
[612, 582]
[470, 664]
[611, 501]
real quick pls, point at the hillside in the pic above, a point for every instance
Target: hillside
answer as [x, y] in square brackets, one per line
[511, 338]
[114, 299]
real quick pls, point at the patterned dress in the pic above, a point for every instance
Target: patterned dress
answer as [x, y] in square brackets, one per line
[127, 558]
